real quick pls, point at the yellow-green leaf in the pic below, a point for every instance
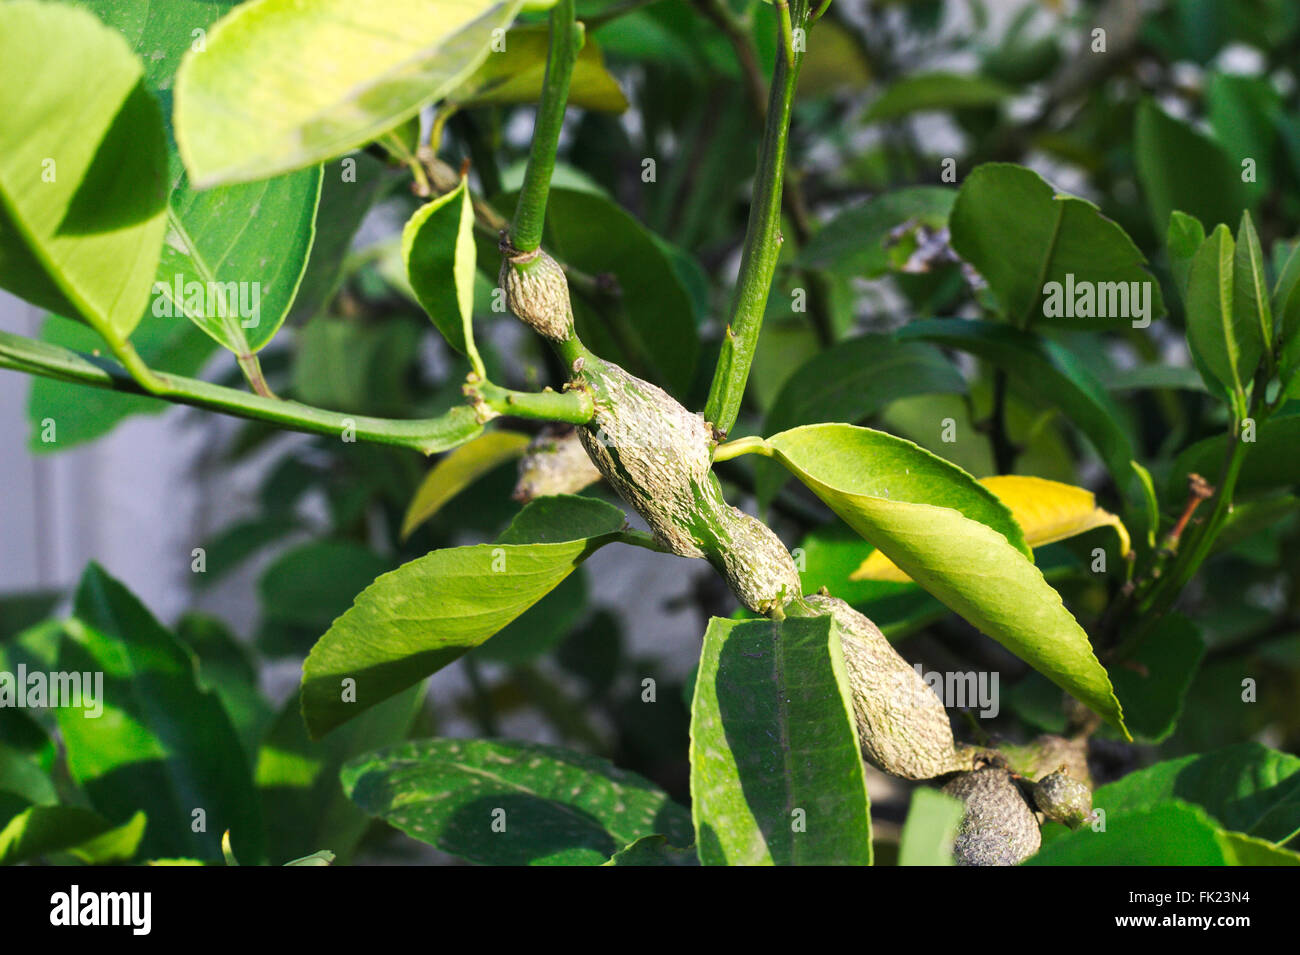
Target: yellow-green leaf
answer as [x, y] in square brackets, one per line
[458, 470]
[515, 75]
[83, 168]
[1047, 511]
[283, 84]
[955, 539]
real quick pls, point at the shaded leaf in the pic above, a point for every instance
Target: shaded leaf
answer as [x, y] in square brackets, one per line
[935, 91]
[163, 745]
[499, 803]
[1046, 370]
[458, 470]
[776, 775]
[1179, 168]
[1248, 788]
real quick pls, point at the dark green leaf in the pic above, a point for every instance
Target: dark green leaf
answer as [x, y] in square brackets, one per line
[1180, 168]
[164, 744]
[854, 241]
[935, 91]
[298, 779]
[1045, 370]
[1152, 682]
[500, 803]
[1247, 787]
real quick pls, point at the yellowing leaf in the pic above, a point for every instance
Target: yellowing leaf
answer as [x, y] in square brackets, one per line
[1047, 511]
[458, 471]
[515, 75]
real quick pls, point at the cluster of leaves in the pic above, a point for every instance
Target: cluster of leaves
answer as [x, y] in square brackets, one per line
[916, 305]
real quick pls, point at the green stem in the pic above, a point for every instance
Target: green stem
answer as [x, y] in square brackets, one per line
[734, 449]
[427, 435]
[762, 246]
[530, 213]
[1162, 596]
[571, 407]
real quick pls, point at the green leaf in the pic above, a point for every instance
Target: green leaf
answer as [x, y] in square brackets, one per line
[849, 383]
[854, 242]
[1183, 240]
[1179, 168]
[82, 168]
[349, 187]
[21, 776]
[1046, 370]
[1168, 834]
[283, 85]
[1271, 463]
[439, 252]
[1224, 344]
[459, 469]
[955, 539]
[1148, 489]
[1250, 307]
[652, 316]
[82, 414]
[163, 745]
[311, 584]
[542, 627]
[499, 803]
[1248, 788]
[237, 283]
[226, 667]
[1152, 682]
[318, 858]
[298, 780]
[159, 33]
[1245, 113]
[776, 775]
[1245, 850]
[936, 91]
[414, 621]
[44, 830]
[654, 850]
[1286, 306]
[930, 829]
[1023, 237]
[515, 75]
[832, 552]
